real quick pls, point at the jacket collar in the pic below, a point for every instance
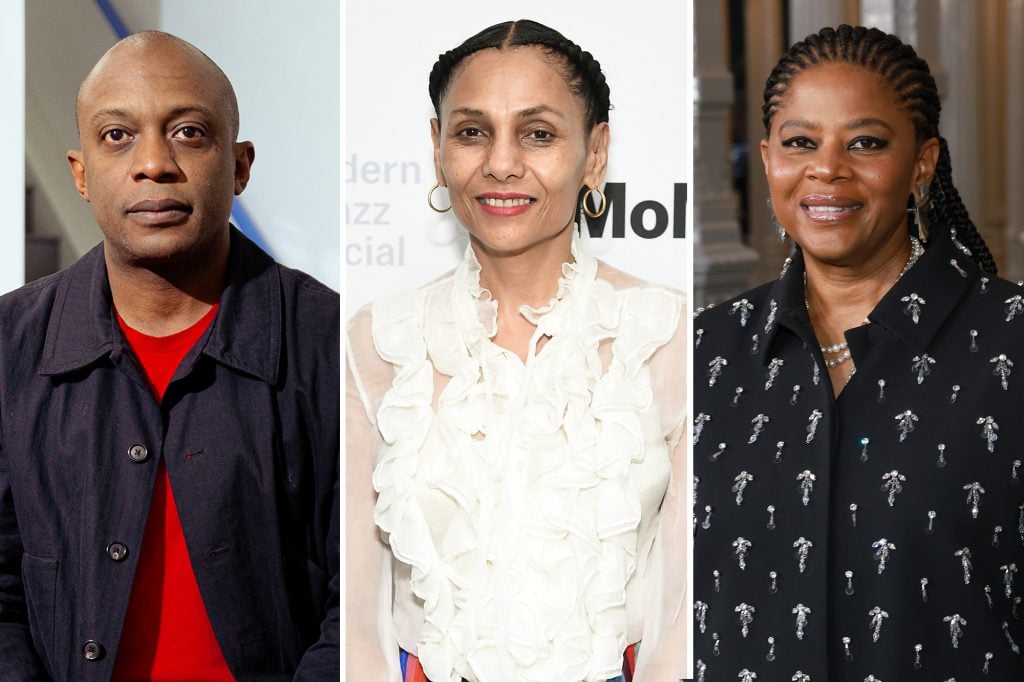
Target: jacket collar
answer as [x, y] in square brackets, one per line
[785, 306]
[933, 278]
[245, 334]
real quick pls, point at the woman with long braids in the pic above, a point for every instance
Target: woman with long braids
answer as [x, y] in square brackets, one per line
[515, 461]
[858, 420]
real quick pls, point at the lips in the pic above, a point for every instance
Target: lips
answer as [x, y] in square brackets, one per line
[505, 203]
[499, 203]
[159, 212]
[829, 208]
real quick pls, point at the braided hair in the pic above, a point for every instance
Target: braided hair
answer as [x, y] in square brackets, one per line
[582, 72]
[914, 88]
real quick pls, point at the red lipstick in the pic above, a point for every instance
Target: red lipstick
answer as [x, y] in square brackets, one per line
[505, 203]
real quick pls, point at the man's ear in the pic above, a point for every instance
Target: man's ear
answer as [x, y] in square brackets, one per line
[245, 154]
[77, 163]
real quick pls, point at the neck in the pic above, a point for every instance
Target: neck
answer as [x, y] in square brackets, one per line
[162, 301]
[841, 297]
[528, 277]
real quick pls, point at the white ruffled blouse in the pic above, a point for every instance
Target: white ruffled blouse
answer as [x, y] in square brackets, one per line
[529, 516]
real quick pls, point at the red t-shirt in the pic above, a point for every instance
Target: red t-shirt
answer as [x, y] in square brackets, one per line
[167, 634]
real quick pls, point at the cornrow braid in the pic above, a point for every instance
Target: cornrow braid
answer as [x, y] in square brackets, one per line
[914, 88]
[582, 72]
[948, 209]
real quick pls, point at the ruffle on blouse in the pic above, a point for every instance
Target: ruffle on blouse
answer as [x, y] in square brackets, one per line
[511, 500]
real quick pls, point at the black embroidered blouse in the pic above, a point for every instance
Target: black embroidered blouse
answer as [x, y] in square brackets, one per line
[876, 536]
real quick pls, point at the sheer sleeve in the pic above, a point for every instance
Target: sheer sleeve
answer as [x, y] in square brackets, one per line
[663, 649]
[371, 646]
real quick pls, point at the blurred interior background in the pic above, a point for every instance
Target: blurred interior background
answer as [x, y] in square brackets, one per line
[976, 53]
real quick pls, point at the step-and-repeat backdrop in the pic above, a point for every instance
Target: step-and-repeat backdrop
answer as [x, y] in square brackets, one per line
[395, 242]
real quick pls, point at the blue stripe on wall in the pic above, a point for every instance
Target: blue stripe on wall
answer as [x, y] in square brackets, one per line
[113, 18]
[246, 225]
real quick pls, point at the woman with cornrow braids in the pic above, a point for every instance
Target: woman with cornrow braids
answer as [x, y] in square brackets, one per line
[860, 508]
[515, 460]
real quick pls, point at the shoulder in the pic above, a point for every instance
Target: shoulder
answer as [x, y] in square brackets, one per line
[624, 281]
[25, 312]
[653, 305]
[391, 333]
[719, 330]
[310, 309]
[359, 338]
[994, 305]
[400, 308]
[29, 301]
[756, 300]
[393, 321]
[994, 292]
[306, 285]
[256, 281]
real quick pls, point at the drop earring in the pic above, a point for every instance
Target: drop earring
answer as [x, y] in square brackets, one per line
[780, 230]
[917, 210]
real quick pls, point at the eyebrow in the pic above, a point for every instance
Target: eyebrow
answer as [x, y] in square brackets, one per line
[466, 111]
[522, 113]
[109, 113]
[867, 123]
[115, 112]
[542, 109]
[853, 124]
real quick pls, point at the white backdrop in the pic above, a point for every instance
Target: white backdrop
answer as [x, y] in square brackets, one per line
[394, 241]
[284, 65]
[12, 146]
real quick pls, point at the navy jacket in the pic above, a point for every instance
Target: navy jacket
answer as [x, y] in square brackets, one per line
[249, 432]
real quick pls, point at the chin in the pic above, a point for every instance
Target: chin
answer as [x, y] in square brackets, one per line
[154, 258]
[510, 240]
[167, 248]
[511, 246]
[500, 247]
[826, 247]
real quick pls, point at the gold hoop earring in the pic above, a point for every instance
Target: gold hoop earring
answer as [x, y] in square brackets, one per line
[600, 207]
[430, 200]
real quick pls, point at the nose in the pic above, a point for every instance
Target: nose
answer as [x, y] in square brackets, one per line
[828, 164]
[154, 159]
[504, 159]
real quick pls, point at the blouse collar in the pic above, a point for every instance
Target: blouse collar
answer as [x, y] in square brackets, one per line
[934, 278]
[576, 275]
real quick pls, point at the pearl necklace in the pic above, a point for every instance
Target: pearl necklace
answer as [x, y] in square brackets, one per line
[843, 350]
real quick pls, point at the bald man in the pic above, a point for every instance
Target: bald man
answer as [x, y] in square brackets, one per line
[169, 419]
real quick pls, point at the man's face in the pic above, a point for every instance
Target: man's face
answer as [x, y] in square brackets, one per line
[158, 161]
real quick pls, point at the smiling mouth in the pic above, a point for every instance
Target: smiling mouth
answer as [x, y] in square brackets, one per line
[832, 209]
[829, 210]
[506, 203]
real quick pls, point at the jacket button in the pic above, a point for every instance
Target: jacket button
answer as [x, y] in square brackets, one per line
[93, 650]
[117, 551]
[138, 453]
